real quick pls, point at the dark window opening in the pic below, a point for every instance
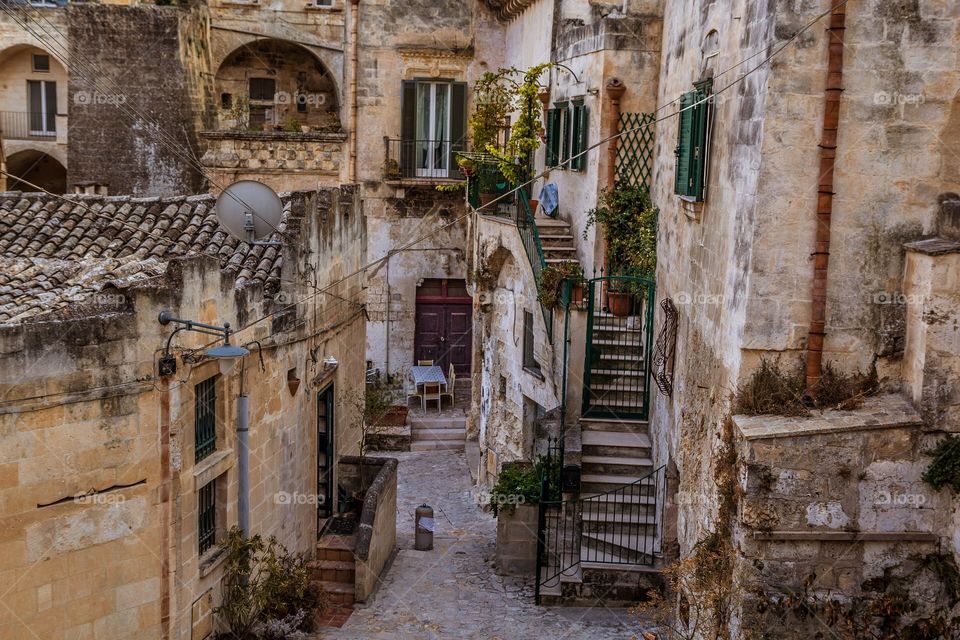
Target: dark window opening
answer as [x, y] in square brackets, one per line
[207, 515]
[41, 62]
[529, 361]
[205, 426]
[263, 89]
[226, 101]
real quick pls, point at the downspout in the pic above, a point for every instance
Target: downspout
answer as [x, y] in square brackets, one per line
[825, 193]
[243, 457]
[354, 75]
[615, 91]
[165, 506]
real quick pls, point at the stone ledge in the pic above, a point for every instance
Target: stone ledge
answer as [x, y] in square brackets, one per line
[293, 136]
[933, 246]
[845, 536]
[881, 412]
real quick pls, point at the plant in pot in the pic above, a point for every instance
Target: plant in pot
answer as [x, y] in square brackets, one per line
[628, 218]
[513, 160]
[552, 278]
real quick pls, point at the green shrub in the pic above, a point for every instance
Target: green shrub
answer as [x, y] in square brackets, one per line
[551, 279]
[520, 484]
[944, 470]
[629, 220]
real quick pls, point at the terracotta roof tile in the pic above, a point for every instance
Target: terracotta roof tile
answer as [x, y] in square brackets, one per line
[54, 253]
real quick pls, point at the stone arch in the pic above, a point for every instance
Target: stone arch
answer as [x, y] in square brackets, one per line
[272, 83]
[493, 265]
[36, 167]
[16, 72]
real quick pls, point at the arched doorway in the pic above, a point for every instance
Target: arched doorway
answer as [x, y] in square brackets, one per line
[270, 84]
[38, 168]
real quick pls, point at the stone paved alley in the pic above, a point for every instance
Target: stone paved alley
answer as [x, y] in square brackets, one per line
[452, 591]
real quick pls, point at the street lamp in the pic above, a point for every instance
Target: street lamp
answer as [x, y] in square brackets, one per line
[226, 354]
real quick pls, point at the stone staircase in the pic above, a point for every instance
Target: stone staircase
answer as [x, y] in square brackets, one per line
[611, 556]
[617, 363]
[430, 434]
[334, 570]
[557, 240]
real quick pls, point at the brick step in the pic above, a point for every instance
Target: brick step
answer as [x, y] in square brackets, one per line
[422, 434]
[333, 571]
[338, 592]
[438, 445]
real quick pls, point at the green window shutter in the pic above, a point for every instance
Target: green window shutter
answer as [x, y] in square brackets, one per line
[581, 122]
[408, 126]
[458, 126]
[699, 130]
[684, 136]
[565, 136]
[553, 137]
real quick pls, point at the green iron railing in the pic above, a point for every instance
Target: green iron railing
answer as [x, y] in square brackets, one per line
[616, 373]
[530, 237]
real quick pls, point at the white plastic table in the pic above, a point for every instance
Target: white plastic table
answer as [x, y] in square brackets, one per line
[428, 375]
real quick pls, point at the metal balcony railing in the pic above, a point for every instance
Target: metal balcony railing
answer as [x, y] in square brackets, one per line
[28, 125]
[422, 159]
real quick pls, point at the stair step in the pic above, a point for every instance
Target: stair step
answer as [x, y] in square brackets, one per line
[619, 480]
[547, 223]
[438, 434]
[608, 403]
[557, 237]
[600, 342]
[438, 445]
[619, 498]
[620, 519]
[633, 543]
[438, 423]
[616, 439]
[552, 249]
[633, 373]
[624, 357]
[637, 462]
[622, 388]
[600, 559]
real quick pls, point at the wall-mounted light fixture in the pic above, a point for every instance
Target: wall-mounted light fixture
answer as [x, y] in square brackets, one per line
[227, 354]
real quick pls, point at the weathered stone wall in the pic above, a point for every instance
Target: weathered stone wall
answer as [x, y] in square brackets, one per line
[149, 60]
[284, 161]
[84, 411]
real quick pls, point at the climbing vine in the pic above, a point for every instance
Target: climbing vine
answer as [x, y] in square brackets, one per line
[944, 470]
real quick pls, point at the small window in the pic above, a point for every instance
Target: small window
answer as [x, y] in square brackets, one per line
[41, 63]
[301, 103]
[263, 89]
[226, 101]
[529, 361]
[693, 139]
[207, 516]
[567, 136]
[205, 425]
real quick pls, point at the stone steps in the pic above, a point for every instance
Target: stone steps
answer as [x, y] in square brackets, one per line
[438, 445]
[438, 434]
[334, 570]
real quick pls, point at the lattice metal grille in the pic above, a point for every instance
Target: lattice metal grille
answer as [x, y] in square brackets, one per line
[635, 151]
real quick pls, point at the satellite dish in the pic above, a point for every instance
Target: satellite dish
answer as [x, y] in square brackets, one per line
[249, 211]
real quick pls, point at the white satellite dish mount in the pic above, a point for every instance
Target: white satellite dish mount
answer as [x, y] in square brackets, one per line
[250, 211]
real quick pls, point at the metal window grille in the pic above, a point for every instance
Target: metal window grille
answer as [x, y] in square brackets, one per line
[207, 515]
[205, 426]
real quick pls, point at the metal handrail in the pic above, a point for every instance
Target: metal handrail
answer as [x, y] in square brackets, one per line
[20, 125]
[533, 246]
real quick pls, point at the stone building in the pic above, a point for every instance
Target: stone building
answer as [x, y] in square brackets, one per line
[119, 478]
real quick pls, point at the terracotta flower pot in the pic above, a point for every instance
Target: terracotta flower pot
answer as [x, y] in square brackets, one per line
[576, 294]
[533, 205]
[620, 304]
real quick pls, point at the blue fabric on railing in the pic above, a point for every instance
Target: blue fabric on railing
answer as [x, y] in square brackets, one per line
[550, 199]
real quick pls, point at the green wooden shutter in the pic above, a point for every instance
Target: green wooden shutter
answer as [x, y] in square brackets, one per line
[553, 137]
[682, 177]
[458, 126]
[565, 136]
[699, 131]
[581, 122]
[408, 126]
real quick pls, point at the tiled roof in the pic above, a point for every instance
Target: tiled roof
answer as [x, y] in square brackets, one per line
[55, 253]
[507, 10]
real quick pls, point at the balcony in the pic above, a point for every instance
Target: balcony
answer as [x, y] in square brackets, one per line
[426, 162]
[28, 125]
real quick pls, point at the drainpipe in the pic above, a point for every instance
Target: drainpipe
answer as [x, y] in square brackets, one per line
[165, 505]
[354, 74]
[615, 91]
[243, 458]
[828, 156]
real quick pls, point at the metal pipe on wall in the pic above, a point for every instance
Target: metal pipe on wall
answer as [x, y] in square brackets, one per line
[243, 462]
[825, 193]
[354, 75]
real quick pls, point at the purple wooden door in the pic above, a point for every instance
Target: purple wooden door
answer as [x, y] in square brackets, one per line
[444, 324]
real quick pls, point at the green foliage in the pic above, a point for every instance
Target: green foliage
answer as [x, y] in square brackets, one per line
[520, 484]
[629, 220]
[263, 583]
[551, 280]
[944, 469]
[292, 125]
[525, 133]
[493, 100]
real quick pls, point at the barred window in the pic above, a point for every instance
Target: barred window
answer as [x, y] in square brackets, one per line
[205, 425]
[207, 515]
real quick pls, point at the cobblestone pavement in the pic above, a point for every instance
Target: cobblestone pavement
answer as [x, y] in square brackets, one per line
[452, 591]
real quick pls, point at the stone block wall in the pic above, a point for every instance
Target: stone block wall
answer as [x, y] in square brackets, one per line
[517, 541]
[144, 58]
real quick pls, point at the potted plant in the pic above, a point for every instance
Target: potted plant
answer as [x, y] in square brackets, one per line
[629, 221]
[551, 281]
[468, 166]
[514, 159]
